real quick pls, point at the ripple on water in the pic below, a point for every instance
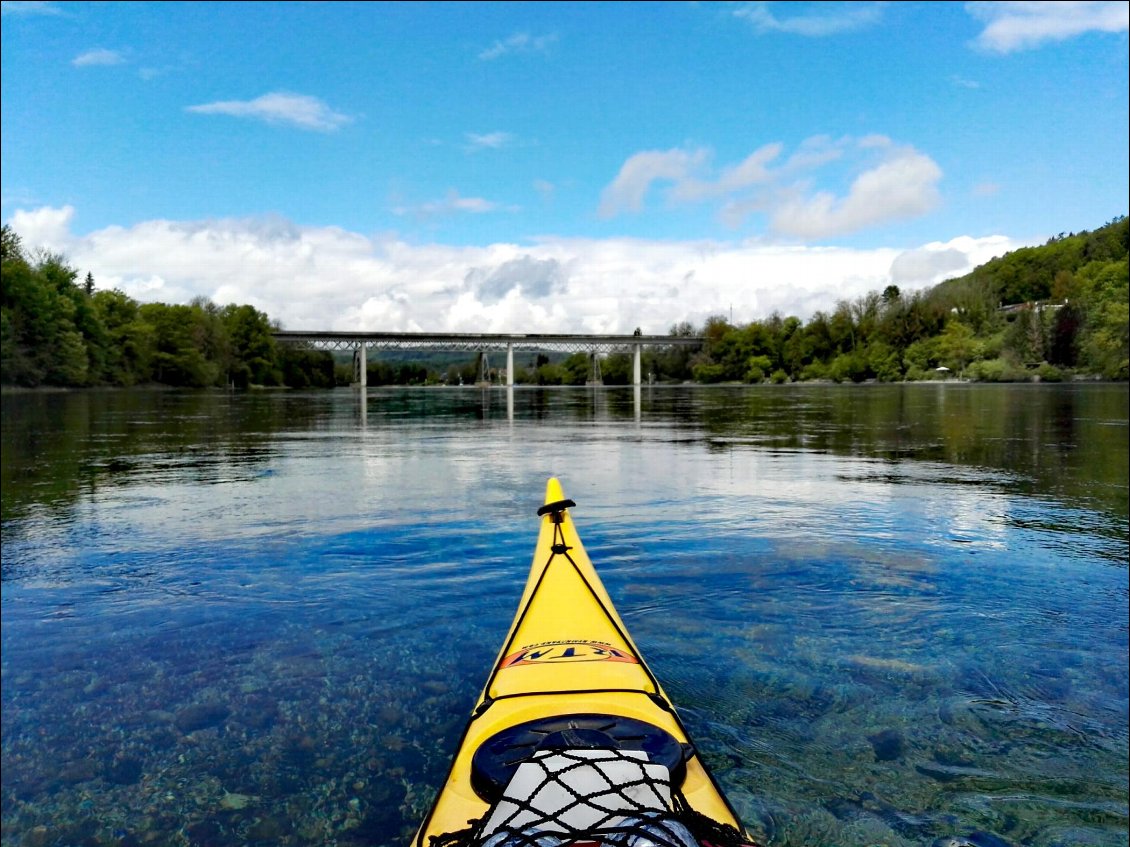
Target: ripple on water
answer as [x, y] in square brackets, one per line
[279, 641]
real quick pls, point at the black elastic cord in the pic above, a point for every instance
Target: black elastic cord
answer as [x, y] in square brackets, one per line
[556, 508]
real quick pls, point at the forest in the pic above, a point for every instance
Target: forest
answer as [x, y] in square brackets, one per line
[1052, 312]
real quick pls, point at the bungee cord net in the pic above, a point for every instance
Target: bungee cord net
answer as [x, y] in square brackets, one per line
[592, 798]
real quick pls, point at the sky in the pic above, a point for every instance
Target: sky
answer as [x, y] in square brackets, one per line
[554, 167]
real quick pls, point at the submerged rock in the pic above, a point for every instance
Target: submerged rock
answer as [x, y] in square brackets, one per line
[266, 829]
[974, 839]
[887, 744]
[83, 770]
[235, 802]
[124, 771]
[201, 716]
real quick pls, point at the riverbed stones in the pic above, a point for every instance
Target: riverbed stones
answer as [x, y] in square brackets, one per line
[201, 716]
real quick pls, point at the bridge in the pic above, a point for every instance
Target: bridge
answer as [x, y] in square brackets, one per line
[483, 344]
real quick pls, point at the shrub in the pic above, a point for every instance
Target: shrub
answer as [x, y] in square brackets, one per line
[1049, 373]
[996, 370]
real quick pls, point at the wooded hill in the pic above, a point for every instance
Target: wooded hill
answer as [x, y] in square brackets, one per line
[1050, 312]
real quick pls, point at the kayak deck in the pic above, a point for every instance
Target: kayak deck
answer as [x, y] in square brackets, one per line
[567, 657]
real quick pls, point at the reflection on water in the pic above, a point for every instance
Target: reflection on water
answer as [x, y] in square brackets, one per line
[889, 614]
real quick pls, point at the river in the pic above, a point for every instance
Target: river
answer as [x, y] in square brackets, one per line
[888, 614]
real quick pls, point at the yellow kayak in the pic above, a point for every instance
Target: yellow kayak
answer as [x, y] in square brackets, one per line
[573, 740]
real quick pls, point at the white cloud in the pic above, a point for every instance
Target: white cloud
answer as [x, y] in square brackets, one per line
[453, 203]
[489, 140]
[627, 191]
[98, 57]
[901, 187]
[520, 42]
[818, 20]
[280, 107]
[1012, 26]
[937, 261]
[962, 82]
[329, 278]
[28, 7]
[527, 276]
[891, 183]
[753, 170]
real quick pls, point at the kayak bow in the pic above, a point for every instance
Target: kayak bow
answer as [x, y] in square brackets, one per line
[573, 740]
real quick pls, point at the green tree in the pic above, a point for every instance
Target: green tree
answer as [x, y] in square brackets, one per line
[758, 368]
[576, 369]
[957, 346]
[1104, 343]
[252, 355]
[130, 342]
[39, 302]
[178, 333]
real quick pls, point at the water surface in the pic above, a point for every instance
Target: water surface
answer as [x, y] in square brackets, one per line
[888, 614]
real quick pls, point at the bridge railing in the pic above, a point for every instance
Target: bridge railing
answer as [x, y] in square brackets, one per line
[480, 342]
[483, 343]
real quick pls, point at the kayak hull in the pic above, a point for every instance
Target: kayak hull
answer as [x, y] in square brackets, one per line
[567, 653]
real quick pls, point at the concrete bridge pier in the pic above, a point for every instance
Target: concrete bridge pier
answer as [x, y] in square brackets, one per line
[361, 366]
[595, 376]
[484, 370]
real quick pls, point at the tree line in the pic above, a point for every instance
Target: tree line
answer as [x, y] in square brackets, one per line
[57, 331]
[1051, 311]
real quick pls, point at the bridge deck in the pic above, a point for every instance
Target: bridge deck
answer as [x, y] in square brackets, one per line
[484, 342]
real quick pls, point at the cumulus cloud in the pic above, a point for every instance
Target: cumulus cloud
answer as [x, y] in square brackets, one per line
[279, 107]
[520, 42]
[891, 182]
[753, 170]
[98, 57]
[1013, 26]
[904, 185]
[817, 21]
[531, 277]
[937, 261]
[331, 279]
[627, 191]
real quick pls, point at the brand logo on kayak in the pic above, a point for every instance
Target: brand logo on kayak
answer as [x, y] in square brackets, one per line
[555, 652]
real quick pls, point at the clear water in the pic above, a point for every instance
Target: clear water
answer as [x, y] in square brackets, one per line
[889, 614]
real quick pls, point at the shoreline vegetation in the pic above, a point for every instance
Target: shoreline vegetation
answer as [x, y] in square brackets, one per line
[1049, 313]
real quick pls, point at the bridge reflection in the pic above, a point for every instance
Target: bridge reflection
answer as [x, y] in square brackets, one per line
[483, 343]
[600, 404]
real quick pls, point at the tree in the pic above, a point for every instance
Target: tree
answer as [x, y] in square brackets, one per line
[1104, 342]
[11, 246]
[130, 342]
[39, 302]
[957, 346]
[253, 356]
[758, 368]
[177, 355]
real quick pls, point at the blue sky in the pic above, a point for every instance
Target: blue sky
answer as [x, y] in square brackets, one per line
[554, 166]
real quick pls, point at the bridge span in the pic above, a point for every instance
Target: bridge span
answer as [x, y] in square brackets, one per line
[483, 343]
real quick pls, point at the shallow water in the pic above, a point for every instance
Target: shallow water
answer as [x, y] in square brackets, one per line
[888, 614]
